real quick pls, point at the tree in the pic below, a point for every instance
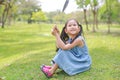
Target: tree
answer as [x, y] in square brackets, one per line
[50, 16]
[39, 16]
[116, 11]
[12, 11]
[94, 7]
[110, 12]
[26, 7]
[84, 4]
[1, 11]
[60, 17]
[56, 16]
[7, 10]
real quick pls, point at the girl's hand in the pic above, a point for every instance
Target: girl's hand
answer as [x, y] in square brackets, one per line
[56, 28]
[55, 31]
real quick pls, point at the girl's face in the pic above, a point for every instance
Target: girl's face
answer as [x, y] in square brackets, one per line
[72, 28]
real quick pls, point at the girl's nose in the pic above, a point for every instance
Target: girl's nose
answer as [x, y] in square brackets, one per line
[72, 26]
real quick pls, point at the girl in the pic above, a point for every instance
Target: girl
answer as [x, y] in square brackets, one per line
[72, 53]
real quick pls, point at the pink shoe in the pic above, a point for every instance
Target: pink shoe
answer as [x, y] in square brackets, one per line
[46, 72]
[49, 67]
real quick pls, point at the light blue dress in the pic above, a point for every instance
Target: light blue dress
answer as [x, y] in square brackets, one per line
[75, 60]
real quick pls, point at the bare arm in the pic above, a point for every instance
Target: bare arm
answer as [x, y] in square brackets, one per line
[61, 44]
[64, 46]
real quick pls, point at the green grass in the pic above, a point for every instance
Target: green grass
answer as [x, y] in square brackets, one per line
[23, 48]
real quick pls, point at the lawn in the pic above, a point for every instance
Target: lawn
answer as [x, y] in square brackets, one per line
[24, 47]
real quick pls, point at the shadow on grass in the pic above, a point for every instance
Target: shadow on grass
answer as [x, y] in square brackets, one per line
[115, 33]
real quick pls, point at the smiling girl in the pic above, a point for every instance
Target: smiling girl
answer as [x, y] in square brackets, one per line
[72, 53]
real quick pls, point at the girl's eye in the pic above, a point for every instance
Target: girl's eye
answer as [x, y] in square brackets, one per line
[69, 25]
[74, 24]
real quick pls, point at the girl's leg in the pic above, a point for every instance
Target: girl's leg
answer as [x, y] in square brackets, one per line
[54, 68]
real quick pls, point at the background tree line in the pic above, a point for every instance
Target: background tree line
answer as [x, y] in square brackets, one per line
[90, 12]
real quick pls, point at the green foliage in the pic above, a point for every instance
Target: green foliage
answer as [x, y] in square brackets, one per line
[39, 16]
[116, 11]
[24, 47]
[50, 16]
[83, 3]
[26, 7]
[14, 11]
[95, 2]
[23, 17]
[56, 16]
[60, 17]
[112, 9]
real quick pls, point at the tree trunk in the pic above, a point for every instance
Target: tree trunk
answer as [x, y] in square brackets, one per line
[4, 15]
[97, 19]
[3, 18]
[85, 18]
[94, 21]
[109, 23]
[108, 6]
